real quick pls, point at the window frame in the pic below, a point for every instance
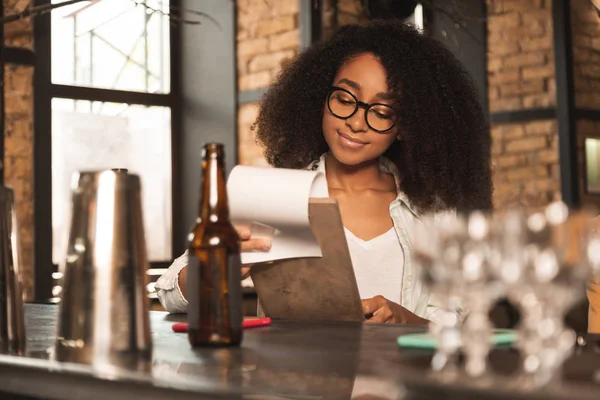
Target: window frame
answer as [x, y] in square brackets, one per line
[45, 91]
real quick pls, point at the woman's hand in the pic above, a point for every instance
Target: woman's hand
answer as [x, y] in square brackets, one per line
[383, 310]
[250, 244]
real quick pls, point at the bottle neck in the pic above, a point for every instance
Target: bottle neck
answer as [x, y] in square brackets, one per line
[213, 203]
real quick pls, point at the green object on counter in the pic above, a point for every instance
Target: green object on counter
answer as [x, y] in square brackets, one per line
[501, 337]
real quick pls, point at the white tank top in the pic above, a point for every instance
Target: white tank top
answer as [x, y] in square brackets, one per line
[377, 265]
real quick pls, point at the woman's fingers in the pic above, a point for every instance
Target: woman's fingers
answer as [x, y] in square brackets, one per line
[256, 244]
[243, 231]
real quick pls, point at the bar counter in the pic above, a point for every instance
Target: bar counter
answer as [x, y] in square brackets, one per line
[286, 360]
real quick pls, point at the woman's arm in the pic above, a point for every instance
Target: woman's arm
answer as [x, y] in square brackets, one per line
[171, 286]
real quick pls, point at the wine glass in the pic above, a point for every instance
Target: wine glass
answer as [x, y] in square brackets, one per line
[544, 267]
[481, 287]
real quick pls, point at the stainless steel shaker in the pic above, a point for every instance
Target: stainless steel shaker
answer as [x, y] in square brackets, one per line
[12, 318]
[104, 317]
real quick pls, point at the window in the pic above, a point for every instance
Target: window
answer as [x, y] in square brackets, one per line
[95, 135]
[111, 107]
[112, 44]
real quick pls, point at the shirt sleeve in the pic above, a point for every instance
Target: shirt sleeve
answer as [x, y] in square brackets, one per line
[434, 311]
[168, 290]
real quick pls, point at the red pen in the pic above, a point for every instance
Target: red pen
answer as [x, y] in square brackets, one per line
[251, 322]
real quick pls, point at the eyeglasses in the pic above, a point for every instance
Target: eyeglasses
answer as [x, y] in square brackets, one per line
[343, 104]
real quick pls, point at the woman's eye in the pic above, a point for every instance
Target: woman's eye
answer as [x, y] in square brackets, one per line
[345, 100]
[381, 115]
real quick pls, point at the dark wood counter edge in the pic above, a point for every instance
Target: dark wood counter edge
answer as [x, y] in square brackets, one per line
[425, 386]
[61, 381]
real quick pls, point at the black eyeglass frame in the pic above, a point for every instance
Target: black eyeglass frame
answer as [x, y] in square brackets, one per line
[359, 104]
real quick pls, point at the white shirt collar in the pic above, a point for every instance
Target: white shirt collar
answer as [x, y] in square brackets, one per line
[385, 165]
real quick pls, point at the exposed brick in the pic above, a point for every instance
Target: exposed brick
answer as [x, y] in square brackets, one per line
[503, 48]
[269, 61]
[541, 128]
[504, 21]
[582, 41]
[18, 160]
[265, 29]
[504, 76]
[580, 54]
[523, 87]
[514, 160]
[493, 93]
[504, 104]
[285, 40]
[275, 25]
[583, 11]
[242, 35]
[588, 100]
[551, 85]
[284, 7]
[537, 44]
[526, 59]
[17, 33]
[526, 144]
[549, 156]
[247, 113]
[250, 12]
[18, 168]
[535, 199]
[533, 16]
[586, 29]
[526, 173]
[545, 71]
[510, 131]
[542, 185]
[519, 5]
[252, 47]
[494, 63]
[254, 81]
[590, 70]
[497, 147]
[538, 100]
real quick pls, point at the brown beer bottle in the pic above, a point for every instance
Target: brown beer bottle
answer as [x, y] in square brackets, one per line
[214, 267]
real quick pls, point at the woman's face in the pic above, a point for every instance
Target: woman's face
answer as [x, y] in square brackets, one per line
[351, 140]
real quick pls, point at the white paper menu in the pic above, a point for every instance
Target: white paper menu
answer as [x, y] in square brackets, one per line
[274, 203]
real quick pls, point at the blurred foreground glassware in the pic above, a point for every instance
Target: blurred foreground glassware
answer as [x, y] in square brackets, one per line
[104, 317]
[459, 261]
[12, 318]
[481, 287]
[436, 257]
[545, 267]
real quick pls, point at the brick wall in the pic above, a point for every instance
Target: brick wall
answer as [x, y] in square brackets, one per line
[521, 76]
[18, 139]
[586, 54]
[268, 35]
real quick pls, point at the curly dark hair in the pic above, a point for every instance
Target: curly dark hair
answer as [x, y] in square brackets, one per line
[444, 159]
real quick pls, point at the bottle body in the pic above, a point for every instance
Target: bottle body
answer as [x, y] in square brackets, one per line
[214, 267]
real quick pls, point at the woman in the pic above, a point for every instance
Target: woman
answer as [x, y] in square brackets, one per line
[393, 120]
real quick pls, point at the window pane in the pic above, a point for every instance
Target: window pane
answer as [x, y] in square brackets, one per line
[112, 44]
[88, 136]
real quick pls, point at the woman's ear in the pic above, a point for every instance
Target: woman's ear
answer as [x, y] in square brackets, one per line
[399, 134]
